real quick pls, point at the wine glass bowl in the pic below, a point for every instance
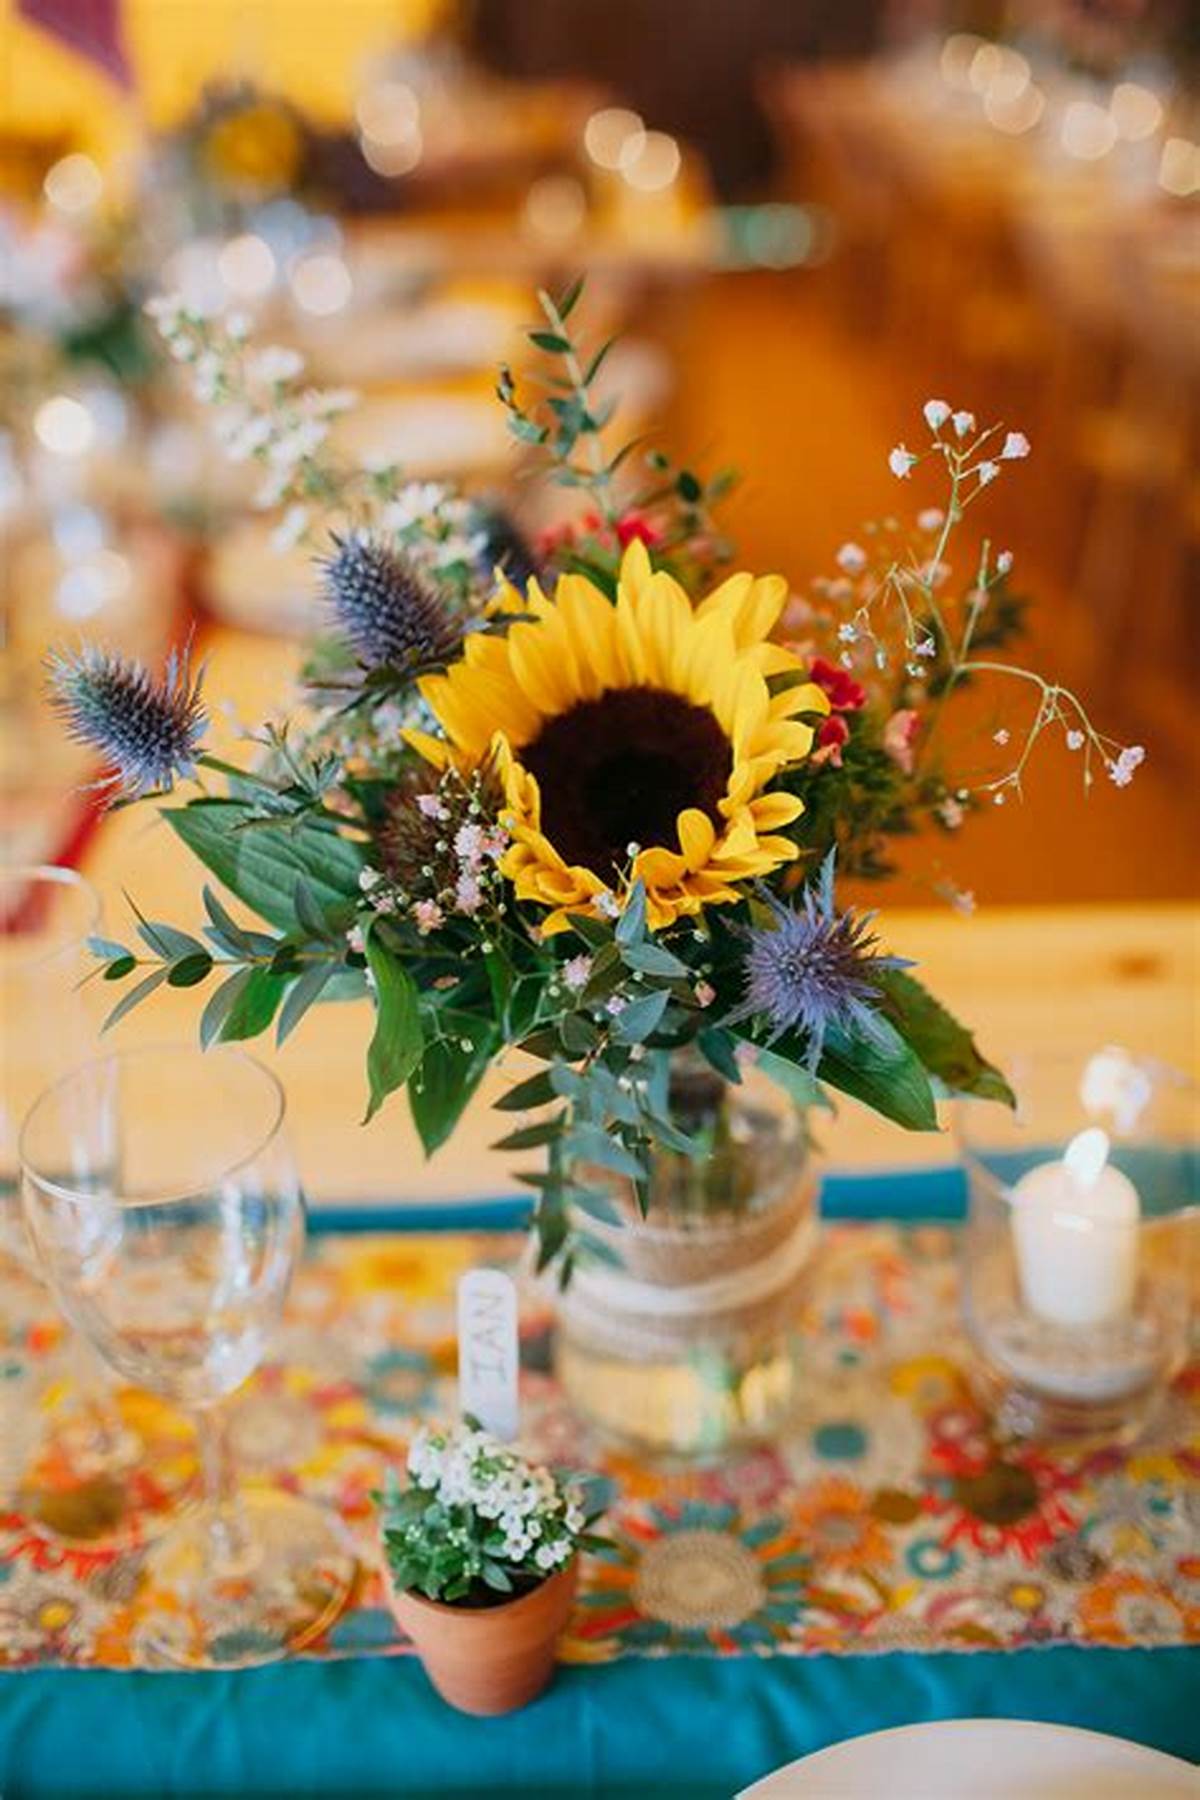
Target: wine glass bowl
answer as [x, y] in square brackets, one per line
[179, 1288]
[164, 1203]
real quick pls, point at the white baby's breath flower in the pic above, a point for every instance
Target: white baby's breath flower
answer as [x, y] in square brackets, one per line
[290, 529]
[1016, 445]
[272, 490]
[936, 413]
[1075, 740]
[847, 634]
[206, 375]
[297, 445]
[274, 363]
[327, 403]
[1004, 562]
[253, 435]
[1001, 736]
[1121, 772]
[414, 503]
[576, 971]
[901, 462]
[852, 558]
[964, 422]
[931, 518]
[987, 471]
[165, 309]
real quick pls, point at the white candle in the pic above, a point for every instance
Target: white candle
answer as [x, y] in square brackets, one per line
[1075, 1233]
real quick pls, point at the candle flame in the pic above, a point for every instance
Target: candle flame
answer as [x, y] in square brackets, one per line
[1086, 1155]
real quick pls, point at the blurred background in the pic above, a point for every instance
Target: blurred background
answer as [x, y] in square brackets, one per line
[804, 218]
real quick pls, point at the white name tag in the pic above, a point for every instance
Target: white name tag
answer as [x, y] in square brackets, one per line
[487, 1350]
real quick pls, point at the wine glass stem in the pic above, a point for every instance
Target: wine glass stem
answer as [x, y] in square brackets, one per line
[231, 1541]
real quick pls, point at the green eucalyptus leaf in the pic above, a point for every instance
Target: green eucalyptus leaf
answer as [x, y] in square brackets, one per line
[631, 926]
[719, 1047]
[592, 1144]
[795, 1078]
[107, 949]
[219, 1006]
[653, 959]
[190, 970]
[254, 1006]
[119, 967]
[532, 1137]
[635, 1022]
[167, 942]
[304, 992]
[134, 997]
[536, 1090]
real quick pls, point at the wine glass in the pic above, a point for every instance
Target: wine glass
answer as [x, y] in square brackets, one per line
[77, 1460]
[163, 1199]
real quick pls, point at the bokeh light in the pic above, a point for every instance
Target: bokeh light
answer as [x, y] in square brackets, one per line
[74, 184]
[64, 426]
[651, 164]
[246, 265]
[613, 134]
[321, 284]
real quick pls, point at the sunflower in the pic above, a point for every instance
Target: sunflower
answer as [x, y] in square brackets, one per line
[636, 741]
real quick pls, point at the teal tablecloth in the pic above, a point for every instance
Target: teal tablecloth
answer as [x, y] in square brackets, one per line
[694, 1726]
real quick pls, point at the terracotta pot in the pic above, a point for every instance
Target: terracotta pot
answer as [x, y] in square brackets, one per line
[491, 1659]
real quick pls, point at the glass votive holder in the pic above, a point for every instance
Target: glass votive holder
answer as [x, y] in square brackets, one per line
[1080, 1246]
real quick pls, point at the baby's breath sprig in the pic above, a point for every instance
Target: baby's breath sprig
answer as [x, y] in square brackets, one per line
[938, 642]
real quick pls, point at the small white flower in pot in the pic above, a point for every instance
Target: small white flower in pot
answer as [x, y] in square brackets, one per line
[481, 1551]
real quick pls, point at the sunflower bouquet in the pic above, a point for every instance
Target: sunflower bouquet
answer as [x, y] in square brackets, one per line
[584, 798]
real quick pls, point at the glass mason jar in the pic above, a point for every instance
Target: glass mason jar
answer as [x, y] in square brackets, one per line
[677, 1336]
[1081, 1240]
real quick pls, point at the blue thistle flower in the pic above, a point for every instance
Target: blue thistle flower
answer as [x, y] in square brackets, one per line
[387, 609]
[147, 728]
[815, 969]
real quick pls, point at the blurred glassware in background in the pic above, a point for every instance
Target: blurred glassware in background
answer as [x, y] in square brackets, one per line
[1079, 1257]
[81, 1461]
[162, 1197]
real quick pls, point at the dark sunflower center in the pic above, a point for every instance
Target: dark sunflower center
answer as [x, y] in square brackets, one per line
[619, 770]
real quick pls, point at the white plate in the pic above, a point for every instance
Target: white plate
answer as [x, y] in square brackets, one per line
[982, 1759]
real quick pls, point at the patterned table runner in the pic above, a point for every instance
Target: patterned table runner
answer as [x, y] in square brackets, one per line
[887, 1519]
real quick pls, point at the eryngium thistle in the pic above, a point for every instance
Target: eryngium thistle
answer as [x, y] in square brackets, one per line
[505, 548]
[147, 728]
[387, 609]
[815, 970]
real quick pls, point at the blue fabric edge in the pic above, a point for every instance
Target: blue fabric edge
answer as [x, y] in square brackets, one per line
[912, 1195]
[671, 1727]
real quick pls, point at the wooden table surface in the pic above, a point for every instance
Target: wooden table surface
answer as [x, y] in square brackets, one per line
[1023, 977]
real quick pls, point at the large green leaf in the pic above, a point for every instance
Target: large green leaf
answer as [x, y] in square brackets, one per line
[882, 1072]
[449, 1074]
[261, 864]
[796, 1080]
[946, 1048]
[395, 1049]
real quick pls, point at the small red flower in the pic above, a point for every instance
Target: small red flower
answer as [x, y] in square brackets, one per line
[845, 694]
[635, 526]
[831, 735]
